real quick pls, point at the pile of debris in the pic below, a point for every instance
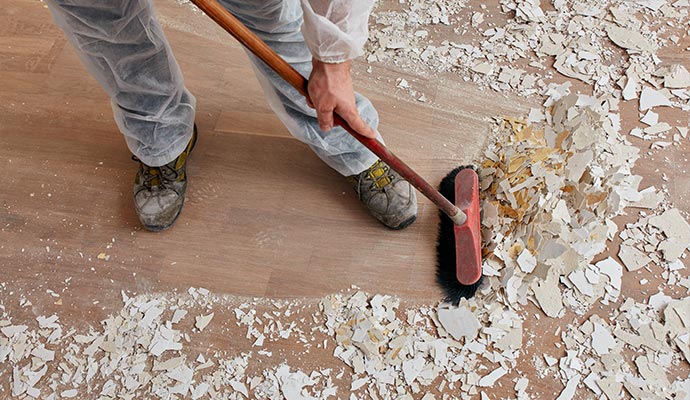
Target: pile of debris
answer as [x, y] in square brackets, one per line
[549, 198]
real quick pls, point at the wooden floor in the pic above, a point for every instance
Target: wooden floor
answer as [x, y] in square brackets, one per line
[263, 217]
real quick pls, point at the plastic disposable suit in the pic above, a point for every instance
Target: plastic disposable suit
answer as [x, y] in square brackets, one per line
[124, 48]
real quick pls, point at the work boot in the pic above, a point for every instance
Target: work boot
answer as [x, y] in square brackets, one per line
[387, 196]
[159, 191]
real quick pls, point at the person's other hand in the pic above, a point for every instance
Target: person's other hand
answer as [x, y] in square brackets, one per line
[330, 89]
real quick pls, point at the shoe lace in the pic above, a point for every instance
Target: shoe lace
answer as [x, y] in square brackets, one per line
[156, 176]
[380, 176]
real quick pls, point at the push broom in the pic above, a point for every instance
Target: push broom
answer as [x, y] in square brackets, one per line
[459, 259]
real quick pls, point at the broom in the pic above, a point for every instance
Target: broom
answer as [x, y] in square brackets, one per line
[459, 268]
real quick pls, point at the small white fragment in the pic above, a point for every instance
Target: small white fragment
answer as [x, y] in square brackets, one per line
[652, 98]
[12, 330]
[677, 232]
[630, 90]
[628, 39]
[69, 393]
[483, 68]
[550, 361]
[203, 320]
[676, 265]
[291, 384]
[580, 281]
[569, 390]
[402, 84]
[358, 383]
[178, 315]
[614, 271]
[491, 378]
[200, 390]
[561, 213]
[677, 78]
[602, 340]
[43, 354]
[259, 341]
[527, 261]
[240, 387]
[412, 368]
[651, 118]
[458, 322]
[632, 258]
[657, 128]
[548, 295]
[659, 301]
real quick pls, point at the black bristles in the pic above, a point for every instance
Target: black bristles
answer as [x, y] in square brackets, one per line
[445, 248]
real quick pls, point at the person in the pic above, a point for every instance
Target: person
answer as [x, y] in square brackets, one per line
[124, 48]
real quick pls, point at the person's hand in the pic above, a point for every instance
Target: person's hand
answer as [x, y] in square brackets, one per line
[330, 89]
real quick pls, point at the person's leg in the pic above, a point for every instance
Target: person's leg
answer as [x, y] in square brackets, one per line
[278, 22]
[125, 50]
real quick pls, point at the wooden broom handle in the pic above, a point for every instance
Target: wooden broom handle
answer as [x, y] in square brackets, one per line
[260, 49]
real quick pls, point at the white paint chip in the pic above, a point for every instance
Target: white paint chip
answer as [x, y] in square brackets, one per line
[12, 330]
[202, 321]
[459, 322]
[483, 68]
[491, 378]
[677, 232]
[677, 78]
[652, 98]
[632, 258]
[178, 315]
[569, 391]
[629, 39]
[527, 261]
[68, 394]
[602, 340]
[659, 301]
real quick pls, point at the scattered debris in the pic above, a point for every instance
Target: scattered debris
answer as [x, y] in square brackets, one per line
[553, 184]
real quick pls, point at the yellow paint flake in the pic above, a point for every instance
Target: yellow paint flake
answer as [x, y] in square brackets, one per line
[541, 154]
[516, 163]
[595, 198]
[561, 138]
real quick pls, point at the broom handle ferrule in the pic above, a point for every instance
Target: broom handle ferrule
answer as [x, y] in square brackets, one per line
[260, 49]
[459, 218]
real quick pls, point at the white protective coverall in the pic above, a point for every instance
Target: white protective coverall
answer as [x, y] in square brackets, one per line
[123, 46]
